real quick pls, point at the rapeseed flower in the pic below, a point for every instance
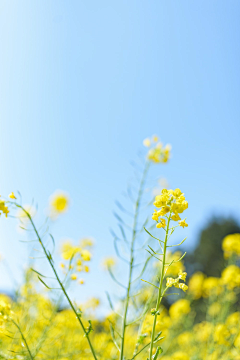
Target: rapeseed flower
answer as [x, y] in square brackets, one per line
[157, 153]
[59, 203]
[231, 245]
[179, 308]
[170, 201]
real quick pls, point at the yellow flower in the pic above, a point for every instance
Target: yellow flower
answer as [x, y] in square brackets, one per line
[81, 281]
[109, 262]
[155, 215]
[59, 202]
[175, 217]
[86, 242]
[183, 286]
[161, 224]
[183, 223]
[177, 192]
[171, 282]
[231, 245]
[176, 266]
[182, 275]
[221, 334]
[231, 276]
[12, 196]
[157, 154]
[180, 355]
[214, 309]
[203, 331]
[74, 277]
[211, 286]
[86, 268]
[147, 142]
[172, 201]
[86, 255]
[184, 338]
[196, 285]
[155, 138]
[179, 309]
[68, 250]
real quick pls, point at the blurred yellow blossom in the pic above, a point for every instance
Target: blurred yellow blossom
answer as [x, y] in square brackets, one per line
[147, 142]
[176, 266]
[59, 203]
[86, 242]
[109, 262]
[3, 208]
[214, 309]
[196, 285]
[231, 245]
[12, 196]
[211, 286]
[86, 255]
[179, 308]
[231, 276]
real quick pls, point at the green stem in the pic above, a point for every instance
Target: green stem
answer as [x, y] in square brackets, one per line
[160, 294]
[24, 339]
[59, 281]
[124, 321]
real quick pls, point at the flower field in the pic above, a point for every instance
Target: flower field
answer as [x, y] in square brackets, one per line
[159, 313]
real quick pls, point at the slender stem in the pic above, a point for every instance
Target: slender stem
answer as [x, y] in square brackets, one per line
[160, 294]
[49, 258]
[140, 192]
[24, 339]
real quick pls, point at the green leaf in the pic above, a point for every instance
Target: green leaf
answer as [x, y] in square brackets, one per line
[158, 352]
[38, 273]
[44, 283]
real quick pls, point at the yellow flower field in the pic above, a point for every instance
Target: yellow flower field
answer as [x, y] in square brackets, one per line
[142, 324]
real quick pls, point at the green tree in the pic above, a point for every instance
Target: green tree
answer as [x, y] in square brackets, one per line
[208, 255]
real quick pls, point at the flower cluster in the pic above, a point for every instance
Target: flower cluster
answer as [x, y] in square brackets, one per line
[231, 276]
[5, 312]
[170, 201]
[176, 264]
[157, 152]
[59, 203]
[109, 262]
[231, 245]
[3, 208]
[77, 256]
[175, 282]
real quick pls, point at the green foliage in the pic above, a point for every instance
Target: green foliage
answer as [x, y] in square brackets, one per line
[208, 255]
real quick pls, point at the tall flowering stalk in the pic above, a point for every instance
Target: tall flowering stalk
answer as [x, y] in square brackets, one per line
[156, 154]
[49, 257]
[170, 204]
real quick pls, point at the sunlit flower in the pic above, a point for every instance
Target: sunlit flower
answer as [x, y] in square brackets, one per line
[183, 223]
[147, 142]
[12, 196]
[170, 201]
[59, 203]
[179, 309]
[109, 262]
[231, 245]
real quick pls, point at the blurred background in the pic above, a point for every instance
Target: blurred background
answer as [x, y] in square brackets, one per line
[84, 82]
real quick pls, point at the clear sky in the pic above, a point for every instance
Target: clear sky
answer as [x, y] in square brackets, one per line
[82, 83]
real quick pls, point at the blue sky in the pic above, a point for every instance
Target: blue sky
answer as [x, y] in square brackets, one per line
[84, 82]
